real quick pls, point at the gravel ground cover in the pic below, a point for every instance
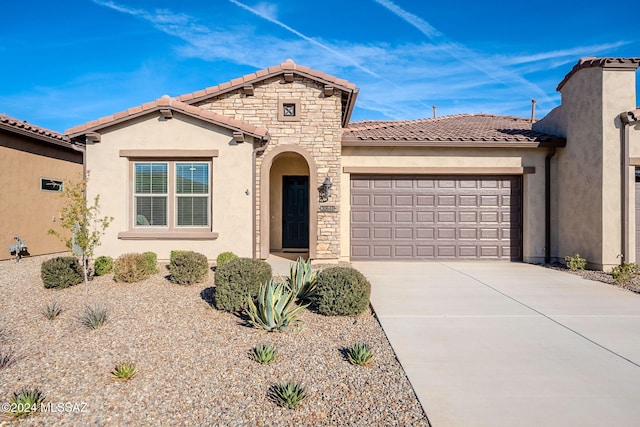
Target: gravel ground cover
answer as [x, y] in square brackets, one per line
[193, 361]
[600, 276]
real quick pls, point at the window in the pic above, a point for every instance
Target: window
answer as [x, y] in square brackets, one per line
[55, 185]
[171, 194]
[289, 110]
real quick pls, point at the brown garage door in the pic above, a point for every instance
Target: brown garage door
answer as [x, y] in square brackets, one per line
[436, 217]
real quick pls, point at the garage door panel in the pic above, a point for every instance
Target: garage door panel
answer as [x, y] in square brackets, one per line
[436, 217]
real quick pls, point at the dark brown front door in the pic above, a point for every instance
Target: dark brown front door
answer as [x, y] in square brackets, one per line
[436, 217]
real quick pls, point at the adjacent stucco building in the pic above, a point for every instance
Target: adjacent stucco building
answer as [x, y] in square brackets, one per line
[271, 162]
[35, 164]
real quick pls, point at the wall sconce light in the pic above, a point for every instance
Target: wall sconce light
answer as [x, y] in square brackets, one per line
[325, 190]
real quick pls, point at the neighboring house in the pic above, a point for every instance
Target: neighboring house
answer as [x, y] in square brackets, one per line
[270, 162]
[35, 164]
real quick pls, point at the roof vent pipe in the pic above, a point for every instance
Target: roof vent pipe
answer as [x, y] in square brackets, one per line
[435, 109]
[533, 110]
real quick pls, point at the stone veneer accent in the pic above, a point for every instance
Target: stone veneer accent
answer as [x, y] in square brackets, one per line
[318, 131]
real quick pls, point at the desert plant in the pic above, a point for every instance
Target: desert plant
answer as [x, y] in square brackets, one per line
[52, 310]
[61, 272]
[575, 262]
[264, 354]
[238, 281]
[131, 267]
[274, 308]
[188, 267]
[94, 317]
[341, 291]
[175, 253]
[82, 223]
[302, 279]
[25, 402]
[624, 272]
[360, 354]
[152, 262]
[288, 395]
[7, 358]
[103, 265]
[225, 257]
[124, 371]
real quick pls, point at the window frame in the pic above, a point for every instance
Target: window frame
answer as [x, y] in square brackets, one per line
[171, 231]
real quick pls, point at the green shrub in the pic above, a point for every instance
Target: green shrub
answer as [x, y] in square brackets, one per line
[152, 262]
[61, 272]
[288, 395]
[25, 402]
[224, 258]
[575, 262]
[341, 291]
[274, 307]
[624, 273]
[238, 281]
[131, 267]
[175, 253]
[302, 279]
[188, 267]
[103, 265]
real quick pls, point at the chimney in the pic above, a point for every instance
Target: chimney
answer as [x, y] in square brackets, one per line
[533, 110]
[435, 111]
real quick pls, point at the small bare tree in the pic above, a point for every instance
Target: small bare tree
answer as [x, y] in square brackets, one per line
[83, 223]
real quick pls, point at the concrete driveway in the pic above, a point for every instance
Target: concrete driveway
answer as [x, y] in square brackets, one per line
[509, 344]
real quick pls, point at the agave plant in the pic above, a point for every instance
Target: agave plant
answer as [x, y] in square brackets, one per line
[124, 371]
[274, 308]
[360, 354]
[289, 395]
[264, 354]
[25, 402]
[52, 310]
[302, 279]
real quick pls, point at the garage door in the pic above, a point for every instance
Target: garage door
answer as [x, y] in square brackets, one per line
[436, 217]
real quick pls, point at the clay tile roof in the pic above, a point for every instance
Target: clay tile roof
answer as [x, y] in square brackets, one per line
[287, 66]
[462, 128]
[14, 125]
[173, 104]
[614, 63]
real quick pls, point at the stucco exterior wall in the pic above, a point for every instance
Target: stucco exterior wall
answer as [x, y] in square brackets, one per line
[230, 183]
[317, 131]
[426, 157]
[26, 210]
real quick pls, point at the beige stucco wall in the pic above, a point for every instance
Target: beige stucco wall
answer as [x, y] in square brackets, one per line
[231, 188]
[25, 210]
[285, 164]
[318, 132]
[587, 172]
[432, 157]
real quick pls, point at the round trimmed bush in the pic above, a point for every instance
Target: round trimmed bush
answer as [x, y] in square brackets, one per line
[188, 267]
[152, 262]
[239, 280]
[224, 258]
[131, 267]
[61, 272]
[341, 291]
[103, 265]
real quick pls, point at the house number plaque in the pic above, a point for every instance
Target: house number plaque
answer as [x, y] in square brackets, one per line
[328, 208]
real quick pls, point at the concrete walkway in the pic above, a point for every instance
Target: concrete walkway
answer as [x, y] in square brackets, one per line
[509, 344]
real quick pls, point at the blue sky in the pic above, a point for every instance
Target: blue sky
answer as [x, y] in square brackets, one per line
[67, 62]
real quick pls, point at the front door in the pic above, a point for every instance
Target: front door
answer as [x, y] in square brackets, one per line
[295, 211]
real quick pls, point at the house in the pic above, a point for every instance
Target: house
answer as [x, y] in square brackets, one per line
[271, 162]
[35, 165]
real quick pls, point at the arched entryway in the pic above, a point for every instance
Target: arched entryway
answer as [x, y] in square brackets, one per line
[288, 201]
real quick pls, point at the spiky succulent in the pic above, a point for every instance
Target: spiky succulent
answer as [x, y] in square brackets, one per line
[302, 279]
[25, 402]
[288, 395]
[52, 310]
[7, 358]
[360, 354]
[264, 354]
[274, 308]
[124, 371]
[94, 317]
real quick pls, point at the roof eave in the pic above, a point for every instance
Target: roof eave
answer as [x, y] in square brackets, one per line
[33, 135]
[355, 142]
[350, 106]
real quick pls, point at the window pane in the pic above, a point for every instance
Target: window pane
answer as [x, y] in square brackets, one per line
[151, 211]
[151, 178]
[193, 211]
[192, 178]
